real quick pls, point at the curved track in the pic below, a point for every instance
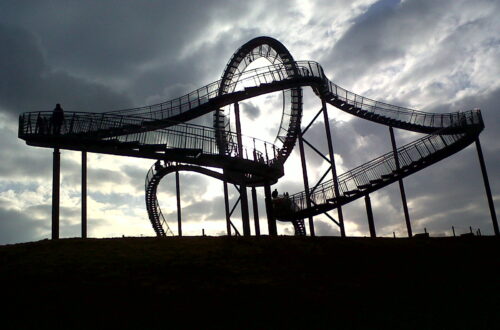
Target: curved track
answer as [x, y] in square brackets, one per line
[160, 131]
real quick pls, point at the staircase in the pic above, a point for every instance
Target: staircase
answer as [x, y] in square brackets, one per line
[158, 221]
[382, 171]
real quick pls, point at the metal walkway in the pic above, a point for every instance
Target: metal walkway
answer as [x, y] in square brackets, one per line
[160, 132]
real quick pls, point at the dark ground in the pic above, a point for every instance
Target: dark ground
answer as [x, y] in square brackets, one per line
[282, 282]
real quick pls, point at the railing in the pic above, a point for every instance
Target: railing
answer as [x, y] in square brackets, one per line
[247, 79]
[177, 136]
[374, 170]
[278, 72]
[141, 118]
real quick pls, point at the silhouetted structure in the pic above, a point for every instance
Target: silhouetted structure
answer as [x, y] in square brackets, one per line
[160, 132]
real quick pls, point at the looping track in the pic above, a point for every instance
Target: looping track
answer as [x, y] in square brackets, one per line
[160, 131]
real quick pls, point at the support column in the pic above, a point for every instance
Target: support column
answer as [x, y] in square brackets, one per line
[334, 169]
[226, 205]
[487, 188]
[255, 212]
[84, 194]
[178, 192]
[56, 179]
[245, 216]
[271, 221]
[306, 182]
[369, 213]
[401, 185]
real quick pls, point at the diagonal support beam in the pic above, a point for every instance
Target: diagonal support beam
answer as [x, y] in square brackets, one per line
[334, 170]
[487, 188]
[312, 121]
[321, 179]
[328, 215]
[317, 151]
[401, 185]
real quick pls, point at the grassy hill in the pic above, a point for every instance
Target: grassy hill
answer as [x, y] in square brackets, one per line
[257, 282]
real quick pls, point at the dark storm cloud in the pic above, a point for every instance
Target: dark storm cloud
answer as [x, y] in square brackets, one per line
[149, 46]
[29, 84]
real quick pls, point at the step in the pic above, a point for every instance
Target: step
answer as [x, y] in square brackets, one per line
[351, 192]
[376, 181]
[335, 199]
[387, 176]
[130, 143]
[364, 186]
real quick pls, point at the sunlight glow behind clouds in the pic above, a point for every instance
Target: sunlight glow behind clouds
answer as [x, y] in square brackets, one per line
[427, 55]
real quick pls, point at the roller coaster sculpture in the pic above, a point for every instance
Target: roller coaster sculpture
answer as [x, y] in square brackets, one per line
[161, 132]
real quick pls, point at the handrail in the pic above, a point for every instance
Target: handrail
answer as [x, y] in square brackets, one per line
[177, 136]
[255, 78]
[373, 170]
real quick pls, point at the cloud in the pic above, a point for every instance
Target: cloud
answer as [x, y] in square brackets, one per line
[97, 56]
[29, 84]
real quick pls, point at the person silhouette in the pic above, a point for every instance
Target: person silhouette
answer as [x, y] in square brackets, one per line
[57, 119]
[39, 128]
[275, 193]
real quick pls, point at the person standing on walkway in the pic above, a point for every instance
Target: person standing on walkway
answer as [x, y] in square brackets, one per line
[57, 119]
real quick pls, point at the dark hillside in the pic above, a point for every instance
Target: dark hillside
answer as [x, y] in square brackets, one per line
[282, 282]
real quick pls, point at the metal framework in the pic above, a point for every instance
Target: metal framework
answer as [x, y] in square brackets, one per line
[161, 132]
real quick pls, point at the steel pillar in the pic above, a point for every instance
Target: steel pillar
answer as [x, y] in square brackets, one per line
[369, 213]
[306, 182]
[401, 185]
[56, 179]
[245, 216]
[84, 194]
[255, 212]
[487, 188]
[334, 169]
[226, 205]
[178, 193]
[271, 221]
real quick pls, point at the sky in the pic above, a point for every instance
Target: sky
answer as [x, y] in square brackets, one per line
[436, 56]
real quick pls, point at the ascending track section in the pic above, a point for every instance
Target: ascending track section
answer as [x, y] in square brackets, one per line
[161, 132]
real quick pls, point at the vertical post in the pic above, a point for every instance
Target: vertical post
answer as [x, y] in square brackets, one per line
[487, 188]
[369, 213]
[84, 194]
[56, 179]
[306, 182]
[178, 192]
[226, 205]
[245, 216]
[334, 169]
[401, 185]
[271, 221]
[255, 212]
